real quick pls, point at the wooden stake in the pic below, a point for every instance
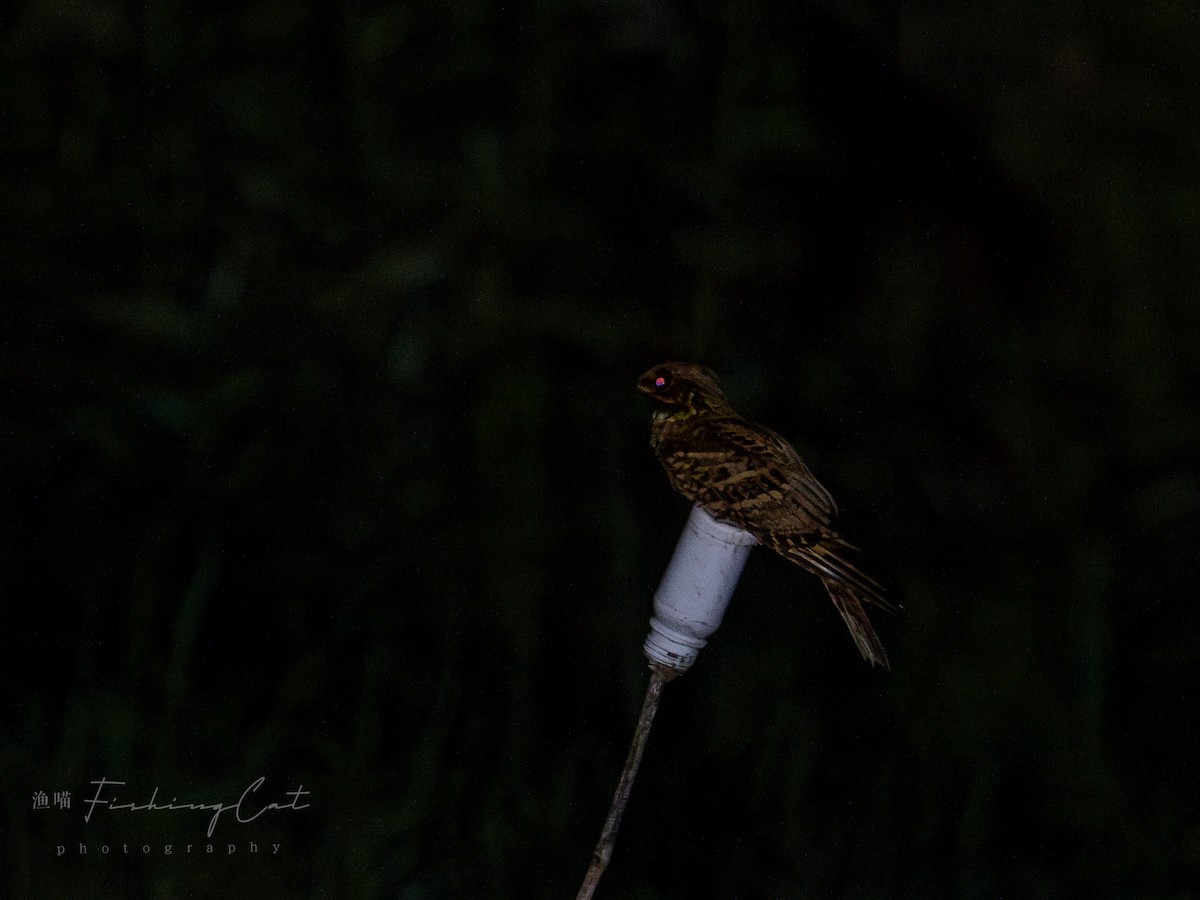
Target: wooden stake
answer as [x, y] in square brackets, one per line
[659, 676]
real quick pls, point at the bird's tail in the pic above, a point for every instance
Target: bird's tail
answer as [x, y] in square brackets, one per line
[850, 586]
[848, 602]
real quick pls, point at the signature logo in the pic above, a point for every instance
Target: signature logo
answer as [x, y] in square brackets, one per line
[246, 808]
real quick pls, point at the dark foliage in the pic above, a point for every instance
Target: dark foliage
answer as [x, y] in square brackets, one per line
[321, 458]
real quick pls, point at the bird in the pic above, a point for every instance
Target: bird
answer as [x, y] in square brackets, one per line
[748, 476]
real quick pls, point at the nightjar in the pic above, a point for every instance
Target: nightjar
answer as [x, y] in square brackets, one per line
[749, 476]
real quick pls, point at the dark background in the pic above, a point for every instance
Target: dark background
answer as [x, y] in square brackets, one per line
[322, 459]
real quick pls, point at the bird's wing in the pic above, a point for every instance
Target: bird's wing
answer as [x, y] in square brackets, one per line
[800, 475]
[746, 474]
[837, 562]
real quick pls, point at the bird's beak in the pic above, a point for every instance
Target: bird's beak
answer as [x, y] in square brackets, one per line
[645, 384]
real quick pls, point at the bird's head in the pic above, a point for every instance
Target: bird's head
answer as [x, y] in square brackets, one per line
[686, 387]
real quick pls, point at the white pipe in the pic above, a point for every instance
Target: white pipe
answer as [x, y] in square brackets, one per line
[696, 588]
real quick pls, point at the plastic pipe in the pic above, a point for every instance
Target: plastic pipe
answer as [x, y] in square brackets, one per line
[695, 590]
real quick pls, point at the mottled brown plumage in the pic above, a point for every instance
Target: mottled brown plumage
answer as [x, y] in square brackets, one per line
[749, 476]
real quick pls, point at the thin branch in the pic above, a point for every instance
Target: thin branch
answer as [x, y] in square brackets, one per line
[659, 676]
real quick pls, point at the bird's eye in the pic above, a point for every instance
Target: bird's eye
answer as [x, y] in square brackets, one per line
[662, 382]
